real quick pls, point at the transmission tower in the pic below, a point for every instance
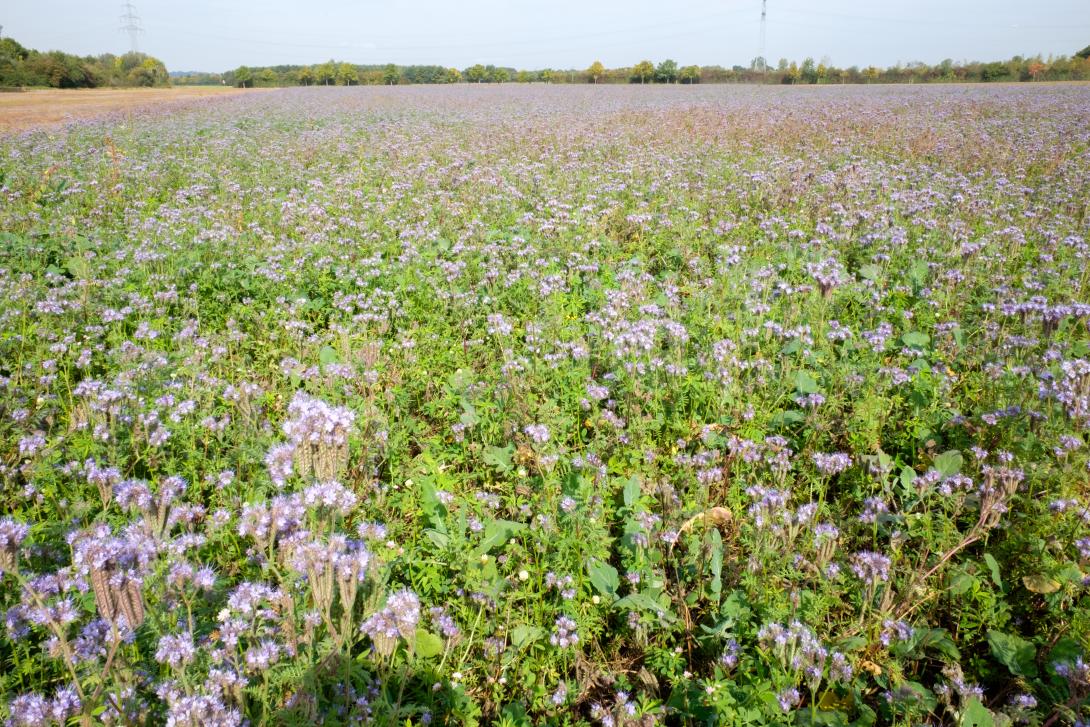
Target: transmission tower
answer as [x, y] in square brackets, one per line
[130, 23]
[761, 49]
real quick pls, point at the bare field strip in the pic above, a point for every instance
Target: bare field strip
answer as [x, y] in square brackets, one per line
[30, 109]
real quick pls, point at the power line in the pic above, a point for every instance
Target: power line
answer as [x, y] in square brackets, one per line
[130, 23]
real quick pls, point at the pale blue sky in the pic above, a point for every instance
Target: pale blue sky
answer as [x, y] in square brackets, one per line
[221, 34]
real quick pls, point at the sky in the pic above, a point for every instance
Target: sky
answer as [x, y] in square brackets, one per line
[217, 35]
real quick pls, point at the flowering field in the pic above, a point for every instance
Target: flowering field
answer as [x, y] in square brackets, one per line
[524, 405]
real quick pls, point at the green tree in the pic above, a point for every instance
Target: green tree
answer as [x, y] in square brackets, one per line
[498, 75]
[689, 74]
[476, 74]
[326, 73]
[1084, 53]
[596, 71]
[643, 70]
[666, 71]
[244, 77]
[390, 75]
[454, 75]
[305, 75]
[347, 74]
[267, 77]
[808, 72]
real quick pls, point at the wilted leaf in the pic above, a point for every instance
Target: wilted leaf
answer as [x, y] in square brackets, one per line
[1040, 583]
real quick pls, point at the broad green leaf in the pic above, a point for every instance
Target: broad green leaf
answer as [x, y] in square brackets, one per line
[916, 339]
[870, 272]
[806, 384]
[603, 577]
[949, 463]
[428, 644]
[525, 635]
[328, 355]
[500, 457]
[1014, 652]
[976, 714]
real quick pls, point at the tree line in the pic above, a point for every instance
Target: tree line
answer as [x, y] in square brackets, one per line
[334, 73]
[21, 66]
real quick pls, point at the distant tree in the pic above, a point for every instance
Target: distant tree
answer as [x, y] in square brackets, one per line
[758, 64]
[244, 77]
[326, 73]
[547, 75]
[596, 71]
[305, 75]
[808, 71]
[689, 74]
[347, 74]
[643, 70]
[666, 71]
[476, 74]
[267, 77]
[454, 75]
[390, 75]
[1084, 53]
[498, 75]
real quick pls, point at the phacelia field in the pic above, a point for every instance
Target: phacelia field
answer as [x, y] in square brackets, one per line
[542, 405]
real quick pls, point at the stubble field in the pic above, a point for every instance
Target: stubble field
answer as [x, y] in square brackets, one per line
[550, 405]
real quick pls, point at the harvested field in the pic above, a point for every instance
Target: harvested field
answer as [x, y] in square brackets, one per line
[30, 109]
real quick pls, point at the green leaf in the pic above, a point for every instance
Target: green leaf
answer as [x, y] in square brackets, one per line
[939, 640]
[993, 566]
[428, 644]
[1014, 652]
[976, 714]
[646, 600]
[603, 577]
[806, 384]
[715, 547]
[632, 491]
[525, 635]
[497, 533]
[328, 355]
[908, 476]
[500, 457]
[949, 463]
[916, 339]
[870, 272]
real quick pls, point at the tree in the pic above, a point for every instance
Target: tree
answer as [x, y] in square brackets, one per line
[390, 75]
[267, 77]
[596, 71]
[347, 74]
[244, 77]
[326, 73]
[666, 71]
[305, 75]
[643, 70]
[1084, 53]
[808, 72]
[476, 74]
[498, 75]
[689, 74]
[547, 75]
[454, 75]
